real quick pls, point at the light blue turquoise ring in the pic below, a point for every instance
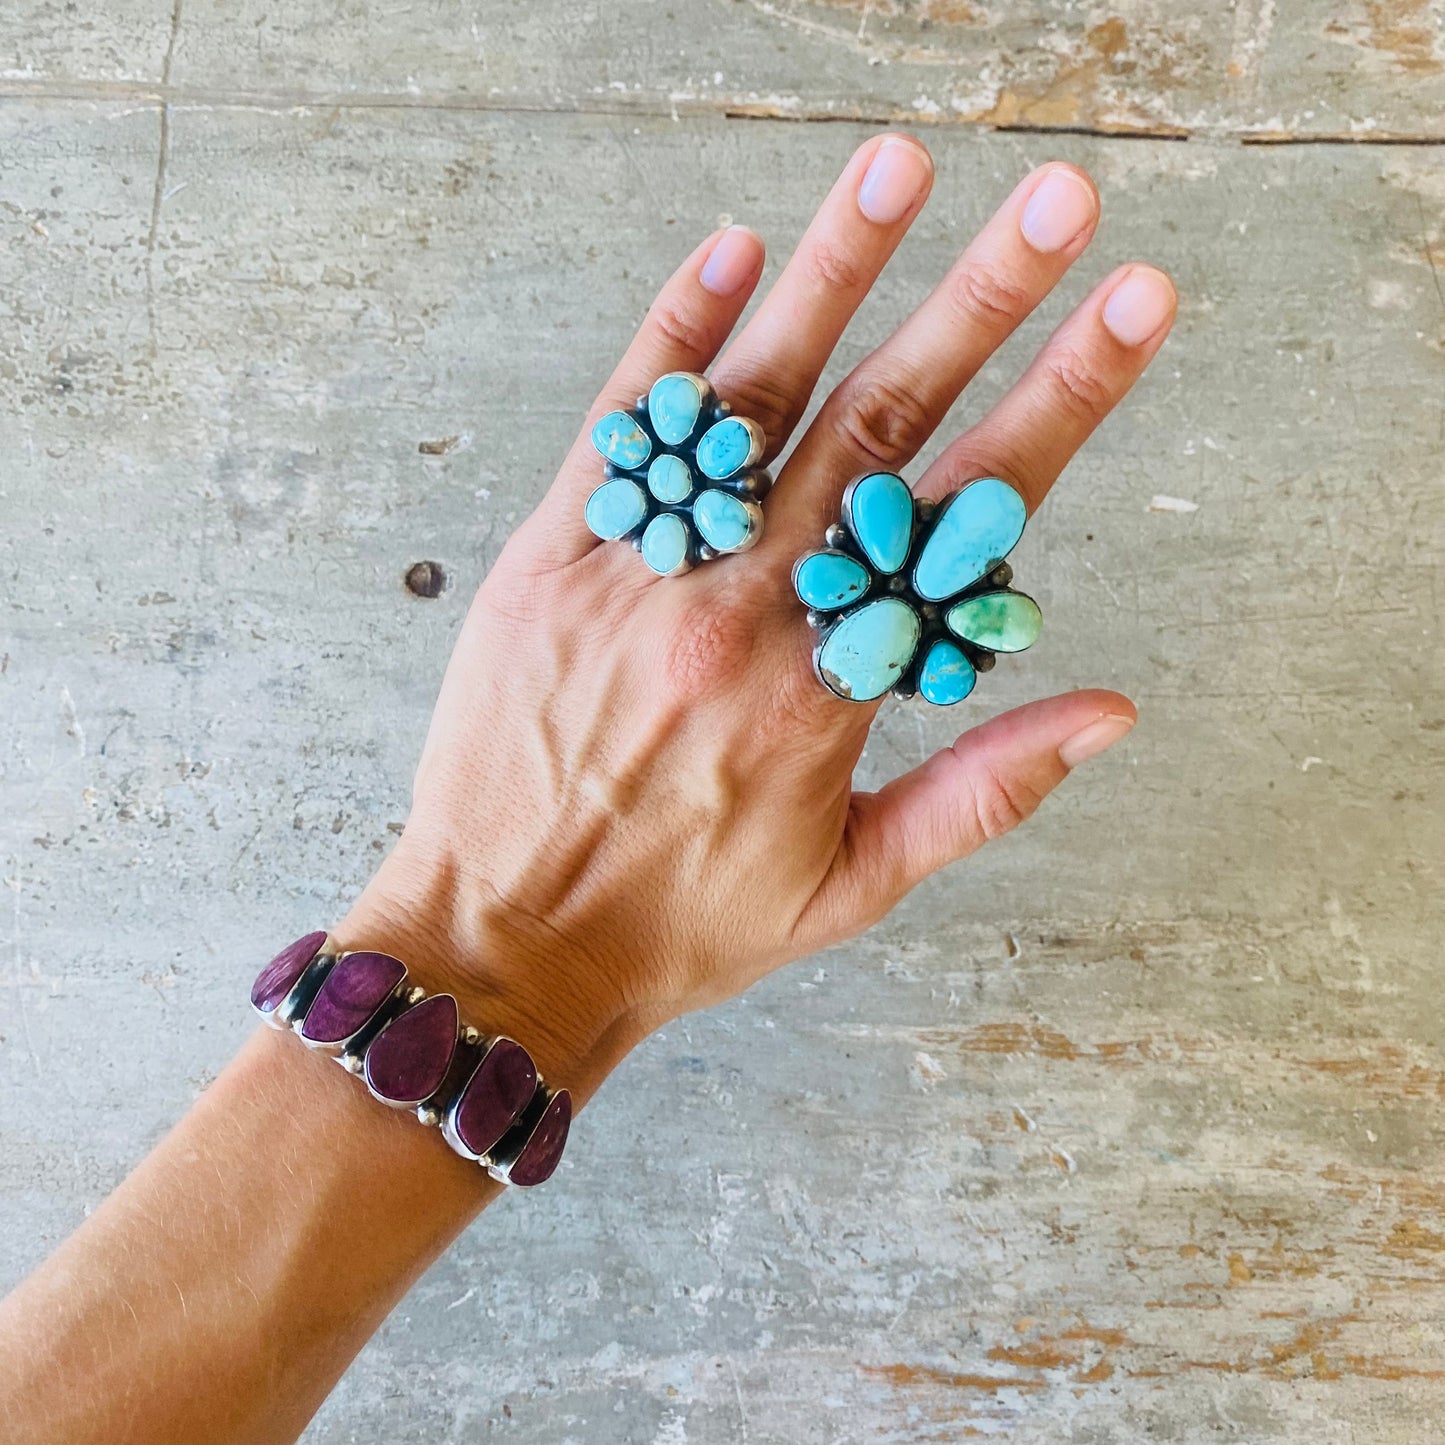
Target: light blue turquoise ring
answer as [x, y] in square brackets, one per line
[683, 481]
[912, 597]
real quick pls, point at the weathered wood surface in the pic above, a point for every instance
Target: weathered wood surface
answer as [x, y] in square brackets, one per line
[1130, 1129]
[1351, 68]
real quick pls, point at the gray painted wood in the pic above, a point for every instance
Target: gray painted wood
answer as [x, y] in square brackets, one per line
[1129, 1129]
[1357, 68]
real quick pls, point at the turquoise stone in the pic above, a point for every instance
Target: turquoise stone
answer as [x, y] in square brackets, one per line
[673, 406]
[619, 438]
[727, 447]
[947, 676]
[866, 651]
[668, 479]
[664, 544]
[976, 529]
[880, 516]
[826, 581]
[724, 522]
[615, 508]
[999, 621]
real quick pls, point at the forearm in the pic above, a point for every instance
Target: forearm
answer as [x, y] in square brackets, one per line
[222, 1290]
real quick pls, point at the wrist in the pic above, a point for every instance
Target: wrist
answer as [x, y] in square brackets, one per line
[508, 974]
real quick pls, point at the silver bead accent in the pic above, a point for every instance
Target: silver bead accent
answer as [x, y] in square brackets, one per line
[835, 536]
[415, 995]
[471, 1035]
[427, 1115]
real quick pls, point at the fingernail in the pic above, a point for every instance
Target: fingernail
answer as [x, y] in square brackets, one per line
[1140, 305]
[1090, 741]
[898, 171]
[733, 261]
[1057, 211]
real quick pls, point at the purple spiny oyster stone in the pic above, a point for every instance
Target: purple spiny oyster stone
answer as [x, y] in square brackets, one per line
[499, 1089]
[409, 1058]
[542, 1152]
[355, 988]
[279, 976]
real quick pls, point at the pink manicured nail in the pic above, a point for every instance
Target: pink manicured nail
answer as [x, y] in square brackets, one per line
[733, 261]
[1061, 207]
[1090, 741]
[897, 173]
[1140, 305]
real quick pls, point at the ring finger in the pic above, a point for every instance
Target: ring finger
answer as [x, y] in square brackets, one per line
[891, 403]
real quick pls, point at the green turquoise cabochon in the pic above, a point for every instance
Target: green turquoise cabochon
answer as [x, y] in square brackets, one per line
[622, 441]
[866, 651]
[615, 508]
[978, 527]
[879, 512]
[668, 479]
[664, 544]
[947, 676]
[674, 405]
[999, 621]
[724, 522]
[826, 581]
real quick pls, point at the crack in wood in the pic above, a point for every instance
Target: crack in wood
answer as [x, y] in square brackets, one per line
[168, 97]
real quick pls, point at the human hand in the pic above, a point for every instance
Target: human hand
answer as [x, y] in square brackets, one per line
[635, 798]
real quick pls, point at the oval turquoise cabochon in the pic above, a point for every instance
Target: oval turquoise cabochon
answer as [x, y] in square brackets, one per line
[879, 509]
[673, 406]
[979, 526]
[999, 621]
[664, 544]
[619, 438]
[864, 653]
[615, 508]
[668, 478]
[727, 447]
[723, 522]
[947, 676]
[827, 581]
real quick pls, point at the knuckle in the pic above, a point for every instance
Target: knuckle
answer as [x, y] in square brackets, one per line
[1002, 801]
[984, 293]
[885, 422]
[769, 403]
[682, 328]
[1077, 385]
[830, 267]
[707, 653]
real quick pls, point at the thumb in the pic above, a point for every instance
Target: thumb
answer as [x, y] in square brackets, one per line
[981, 787]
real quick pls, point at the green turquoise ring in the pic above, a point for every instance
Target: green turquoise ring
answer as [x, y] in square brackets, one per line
[683, 480]
[912, 597]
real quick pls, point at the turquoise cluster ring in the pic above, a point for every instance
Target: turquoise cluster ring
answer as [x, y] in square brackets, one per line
[913, 597]
[683, 481]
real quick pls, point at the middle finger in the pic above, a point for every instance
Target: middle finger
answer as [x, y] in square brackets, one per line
[768, 372]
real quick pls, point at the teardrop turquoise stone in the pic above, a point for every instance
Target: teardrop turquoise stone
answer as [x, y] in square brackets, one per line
[865, 652]
[880, 515]
[726, 448]
[673, 406]
[999, 621]
[615, 508]
[664, 544]
[947, 676]
[827, 581]
[978, 527]
[724, 522]
[668, 479]
[619, 438]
